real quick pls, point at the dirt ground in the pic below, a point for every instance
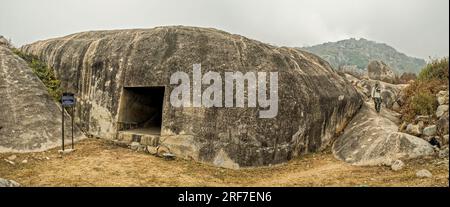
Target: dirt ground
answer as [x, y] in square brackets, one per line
[99, 163]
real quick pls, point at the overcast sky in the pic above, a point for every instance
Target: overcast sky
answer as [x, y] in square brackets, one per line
[418, 28]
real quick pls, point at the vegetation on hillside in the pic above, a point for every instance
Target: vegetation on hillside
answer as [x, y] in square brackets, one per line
[420, 96]
[359, 53]
[44, 73]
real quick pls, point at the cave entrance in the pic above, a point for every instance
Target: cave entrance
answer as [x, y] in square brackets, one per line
[141, 110]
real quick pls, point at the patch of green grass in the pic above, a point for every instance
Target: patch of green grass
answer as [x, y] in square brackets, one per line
[437, 69]
[44, 73]
[423, 103]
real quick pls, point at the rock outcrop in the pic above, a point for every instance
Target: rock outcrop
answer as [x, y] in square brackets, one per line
[4, 42]
[315, 103]
[373, 139]
[30, 119]
[390, 93]
[378, 70]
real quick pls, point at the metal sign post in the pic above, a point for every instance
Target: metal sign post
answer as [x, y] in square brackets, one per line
[67, 101]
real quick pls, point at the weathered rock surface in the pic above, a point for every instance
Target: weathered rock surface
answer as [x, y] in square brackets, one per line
[442, 97]
[30, 119]
[389, 92]
[441, 110]
[8, 183]
[397, 165]
[315, 103]
[373, 139]
[378, 70]
[424, 174]
[430, 130]
[414, 129]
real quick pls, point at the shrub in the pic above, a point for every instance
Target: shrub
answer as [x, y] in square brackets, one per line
[419, 96]
[423, 103]
[44, 73]
[437, 69]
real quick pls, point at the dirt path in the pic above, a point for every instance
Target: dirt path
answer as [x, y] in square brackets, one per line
[98, 163]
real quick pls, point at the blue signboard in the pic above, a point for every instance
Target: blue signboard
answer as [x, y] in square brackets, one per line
[68, 100]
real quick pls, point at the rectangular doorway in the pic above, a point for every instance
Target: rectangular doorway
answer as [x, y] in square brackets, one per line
[141, 110]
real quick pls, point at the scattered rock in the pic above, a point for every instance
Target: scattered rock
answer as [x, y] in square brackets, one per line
[424, 118]
[9, 161]
[397, 165]
[441, 110]
[135, 145]
[443, 154]
[424, 174]
[430, 130]
[396, 107]
[442, 97]
[8, 183]
[378, 70]
[442, 125]
[66, 151]
[152, 150]
[24, 161]
[120, 143]
[414, 129]
[160, 150]
[168, 156]
[445, 140]
[12, 157]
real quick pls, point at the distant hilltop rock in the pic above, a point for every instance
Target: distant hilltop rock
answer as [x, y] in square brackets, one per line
[360, 52]
[4, 42]
[378, 70]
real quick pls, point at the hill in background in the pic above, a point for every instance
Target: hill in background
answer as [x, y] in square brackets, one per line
[353, 52]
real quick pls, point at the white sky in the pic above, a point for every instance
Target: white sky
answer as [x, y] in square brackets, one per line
[418, 28]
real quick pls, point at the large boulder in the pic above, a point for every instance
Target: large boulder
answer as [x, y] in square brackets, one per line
[30, 119]
[378, 70]
[373, 139]
[101, 67]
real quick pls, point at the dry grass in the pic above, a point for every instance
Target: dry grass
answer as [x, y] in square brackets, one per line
[98, 163]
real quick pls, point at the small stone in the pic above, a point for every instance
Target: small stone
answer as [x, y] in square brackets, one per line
[443, 125]
[413, 129]
[441, 110]
[160, 150]
[135, 145]
[445, 139]
[443, 154]
[66, 151]
[9, 161]
[397, 165]
[430, 130]
[168, 156]
[47, 158]
[442, 97]
[152, 150]
[424, 174]
[396, 106]
[24, 161]
[8, 183]
[12, 157]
